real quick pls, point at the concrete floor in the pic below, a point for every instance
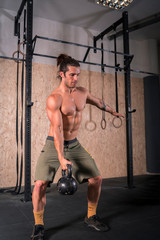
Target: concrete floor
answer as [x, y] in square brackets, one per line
[132, 214]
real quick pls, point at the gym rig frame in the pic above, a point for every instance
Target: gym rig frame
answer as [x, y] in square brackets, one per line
[30, 45]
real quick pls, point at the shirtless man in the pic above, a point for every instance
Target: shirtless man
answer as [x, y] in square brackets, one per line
[64, 110]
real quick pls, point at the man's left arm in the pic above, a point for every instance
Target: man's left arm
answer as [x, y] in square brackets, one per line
[99, 103]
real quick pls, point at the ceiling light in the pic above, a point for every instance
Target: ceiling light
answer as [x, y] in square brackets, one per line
[116, 4]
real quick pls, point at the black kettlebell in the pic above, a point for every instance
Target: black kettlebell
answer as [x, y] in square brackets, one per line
[67, 185]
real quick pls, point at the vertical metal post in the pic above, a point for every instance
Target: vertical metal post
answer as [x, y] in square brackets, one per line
[115, 62]
[28, 103]
[128, 101]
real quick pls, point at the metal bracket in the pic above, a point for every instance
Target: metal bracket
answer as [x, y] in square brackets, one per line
[132, 111]
[29, 103]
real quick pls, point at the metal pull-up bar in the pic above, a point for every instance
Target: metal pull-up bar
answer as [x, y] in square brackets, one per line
[16, 27]
[78, 45]
[109, 29]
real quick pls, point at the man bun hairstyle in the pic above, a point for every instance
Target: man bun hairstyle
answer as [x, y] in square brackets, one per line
[61, 58]
[63, 61]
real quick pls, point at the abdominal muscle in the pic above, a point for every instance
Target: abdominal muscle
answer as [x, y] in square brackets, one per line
[71, 125]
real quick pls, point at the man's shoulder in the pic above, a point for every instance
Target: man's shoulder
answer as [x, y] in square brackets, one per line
[82, 89]
[54, 100]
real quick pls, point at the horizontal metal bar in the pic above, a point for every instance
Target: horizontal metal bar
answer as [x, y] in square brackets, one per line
[43, 55]
[102, 34]
[91, 63]
[11, 58]
[138, 25]
[143, 72]
[98, 64]
[62, 41]
[79, 45]
[101, 65]
[106, 31]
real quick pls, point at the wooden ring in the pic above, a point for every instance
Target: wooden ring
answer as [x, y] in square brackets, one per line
[113, 122]
[93, 125]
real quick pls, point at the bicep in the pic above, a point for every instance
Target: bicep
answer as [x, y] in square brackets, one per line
[55, 117]
[54, 113]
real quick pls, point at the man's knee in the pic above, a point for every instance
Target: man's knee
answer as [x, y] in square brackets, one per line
[95, 181]
[40, 186]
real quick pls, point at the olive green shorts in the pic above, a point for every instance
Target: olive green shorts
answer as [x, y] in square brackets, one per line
[83, 167]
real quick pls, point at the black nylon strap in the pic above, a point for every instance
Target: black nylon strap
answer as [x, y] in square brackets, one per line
[103, 121]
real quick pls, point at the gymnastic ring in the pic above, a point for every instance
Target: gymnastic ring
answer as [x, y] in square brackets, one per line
[113, 122]
[13, 57]
[19, 52]
[92, 123]
[103, 124]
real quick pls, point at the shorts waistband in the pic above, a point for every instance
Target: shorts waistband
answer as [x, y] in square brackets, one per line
[65, 141]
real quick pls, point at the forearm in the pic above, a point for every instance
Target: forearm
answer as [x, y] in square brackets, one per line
[105, 107]
[58, 142]
[99, 103]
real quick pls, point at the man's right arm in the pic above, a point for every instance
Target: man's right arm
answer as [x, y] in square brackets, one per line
[55, 117]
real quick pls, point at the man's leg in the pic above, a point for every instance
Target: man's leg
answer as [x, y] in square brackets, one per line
[93, 194]
[39, 202]
[84, 167]
[39, 195]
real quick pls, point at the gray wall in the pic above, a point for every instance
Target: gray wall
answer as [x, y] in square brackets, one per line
[145, 51]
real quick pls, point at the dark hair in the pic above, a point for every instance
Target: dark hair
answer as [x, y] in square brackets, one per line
[63, 61]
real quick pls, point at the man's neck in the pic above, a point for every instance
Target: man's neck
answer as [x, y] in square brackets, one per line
[66, 89]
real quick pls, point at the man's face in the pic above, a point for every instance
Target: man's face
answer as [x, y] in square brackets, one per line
[71, 76]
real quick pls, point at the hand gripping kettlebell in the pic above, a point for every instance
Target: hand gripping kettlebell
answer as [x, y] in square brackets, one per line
[67, 185]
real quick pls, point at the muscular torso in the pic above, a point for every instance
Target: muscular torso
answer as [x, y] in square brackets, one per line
[71, 111]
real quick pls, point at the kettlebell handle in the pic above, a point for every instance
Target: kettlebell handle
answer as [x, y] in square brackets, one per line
[69, 171]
